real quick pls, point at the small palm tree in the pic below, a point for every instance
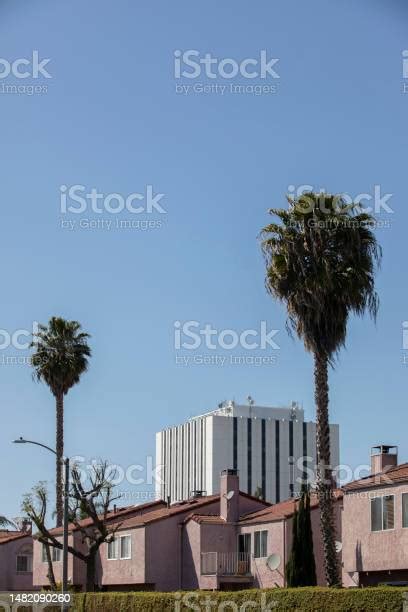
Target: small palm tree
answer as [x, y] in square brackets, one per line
[60, 358]
[5, 523]
[321, 256]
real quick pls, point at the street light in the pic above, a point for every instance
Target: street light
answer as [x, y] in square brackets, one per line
[65, 462]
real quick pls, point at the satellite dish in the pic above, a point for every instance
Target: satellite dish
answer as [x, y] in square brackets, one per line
[229, 495]
[339, 547]
[273, 561]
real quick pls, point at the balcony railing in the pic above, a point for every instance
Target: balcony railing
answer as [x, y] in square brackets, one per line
[225, 564]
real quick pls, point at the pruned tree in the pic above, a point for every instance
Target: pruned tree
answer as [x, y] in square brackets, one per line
[35, 507]
[91, 502]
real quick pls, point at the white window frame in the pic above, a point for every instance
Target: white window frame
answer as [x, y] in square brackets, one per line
[402, 510]
[121, 537]
[29, 558]
[114, 541]
[54, 552]
[117, 541]
[382, 512]
[260, 532]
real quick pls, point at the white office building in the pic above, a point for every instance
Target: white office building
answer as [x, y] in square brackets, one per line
[273, 449]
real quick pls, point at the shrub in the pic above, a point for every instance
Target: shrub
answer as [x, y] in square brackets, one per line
[308, 599]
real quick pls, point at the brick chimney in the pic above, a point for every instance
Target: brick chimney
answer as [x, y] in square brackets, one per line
[229, 495]
[383, 457]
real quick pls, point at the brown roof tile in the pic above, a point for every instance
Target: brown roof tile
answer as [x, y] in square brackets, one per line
[163, 513]
[116, 516]
[389, 476]
[214, 519]
[282, 510]
[8, 536]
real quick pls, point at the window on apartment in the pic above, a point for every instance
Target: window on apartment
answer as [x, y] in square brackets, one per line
[24, 563]
[244, 543]
[119, 548]
[125, 547]
[112, 550]
[260, 544]
[405, 509]
[54, 552]
[382, 513]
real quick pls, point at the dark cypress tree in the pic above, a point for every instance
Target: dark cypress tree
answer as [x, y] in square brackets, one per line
[301, 566]
[309, 558]
[301, 537]
[292, 566]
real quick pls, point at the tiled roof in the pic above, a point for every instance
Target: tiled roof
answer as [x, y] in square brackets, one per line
[153, 511]
[118, 515]
[389, 476]
[282, 510]
[214, 519]
[163, 513]
[181, 507]
[8, 536]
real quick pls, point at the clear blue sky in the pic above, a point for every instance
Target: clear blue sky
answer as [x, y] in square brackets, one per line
[111, 120]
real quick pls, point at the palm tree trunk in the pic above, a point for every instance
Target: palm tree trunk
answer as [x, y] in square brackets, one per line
[50, 572]
[60, 454]
[324, 472]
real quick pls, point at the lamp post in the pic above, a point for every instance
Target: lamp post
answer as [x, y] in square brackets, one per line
[65, 463]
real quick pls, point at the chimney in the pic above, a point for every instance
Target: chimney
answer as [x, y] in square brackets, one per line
[383, 457]
[26, 526]
[229, 495]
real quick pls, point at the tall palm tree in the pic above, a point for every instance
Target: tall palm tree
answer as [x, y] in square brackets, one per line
[321, 257]
[60, 358]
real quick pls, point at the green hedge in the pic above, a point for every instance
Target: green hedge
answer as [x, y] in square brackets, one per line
[381, 599]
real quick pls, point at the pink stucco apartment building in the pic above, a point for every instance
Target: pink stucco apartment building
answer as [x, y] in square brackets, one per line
[16, 560]
[220, 541]
[375, 523]
[150, 546]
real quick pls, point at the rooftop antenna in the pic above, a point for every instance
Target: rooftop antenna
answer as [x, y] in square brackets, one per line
[250, 403]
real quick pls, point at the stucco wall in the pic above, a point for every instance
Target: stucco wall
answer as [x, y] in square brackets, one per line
[364, 550]
[124, 571]
[163, 549]
[10, 580]
[263, 576]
